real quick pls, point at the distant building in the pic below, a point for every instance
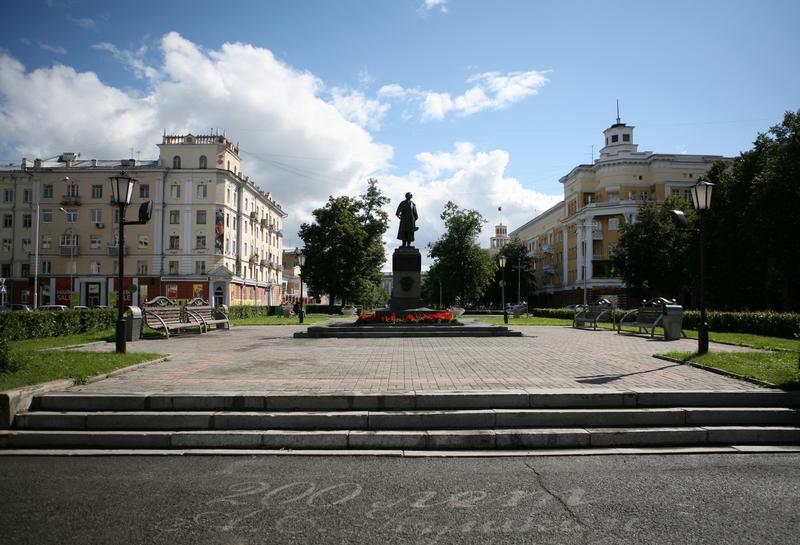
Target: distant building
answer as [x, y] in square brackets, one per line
[213, 232]
[499, 239]
[572, 242]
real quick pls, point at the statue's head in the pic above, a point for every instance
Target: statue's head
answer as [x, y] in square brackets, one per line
[409, 195]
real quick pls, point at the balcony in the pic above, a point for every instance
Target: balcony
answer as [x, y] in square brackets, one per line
[548, 249]
[253, 259]
[264, 223]
[70, 251]
[113, 251]
[70, 200]
[263, 263]
[253, 216]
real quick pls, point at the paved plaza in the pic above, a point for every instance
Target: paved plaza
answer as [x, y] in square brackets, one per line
[268, 359]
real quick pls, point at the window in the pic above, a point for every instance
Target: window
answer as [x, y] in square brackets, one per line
[27, 195]
[47, 241]
[144, 241]
[613, 197]
[227, 194]
[199, 267]
[626, 137]
[94, 241]
[202, 191]
[26, 245]
[141, 267]
[25, 269]
[687, 195]
[97, 191]
[144, 191]
[615, 138]
[227, 220]
[72, 190]
[5, 270]
[72, 215]
[173, 267]
[8, 195]
[201, 217]
[175, 191]
[176, 161]
[47, 191]
[643, 195]
[97, 215]
[174, 242]
[47, 267]
[174, 217]
[27, 220]
[200, 242]
[203, 162]
[47, 215]
[69, 239]
[94, 267]
[116, 215]
[613, 224]
[7, 245]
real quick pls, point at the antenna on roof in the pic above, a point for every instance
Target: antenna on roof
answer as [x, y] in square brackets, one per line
[618, 111]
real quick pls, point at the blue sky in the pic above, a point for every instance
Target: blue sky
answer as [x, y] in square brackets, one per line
[483, 103]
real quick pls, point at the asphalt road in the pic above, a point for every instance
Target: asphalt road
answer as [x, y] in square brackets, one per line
[332, 500]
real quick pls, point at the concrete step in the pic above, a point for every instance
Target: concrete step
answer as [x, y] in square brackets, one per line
[504, 399]
[477, 439]
[403, 420]
[377, 331]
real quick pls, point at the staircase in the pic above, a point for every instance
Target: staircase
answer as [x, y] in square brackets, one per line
[415, 421]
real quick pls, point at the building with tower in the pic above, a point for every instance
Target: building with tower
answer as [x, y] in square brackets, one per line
[573, 241]
[213, 232]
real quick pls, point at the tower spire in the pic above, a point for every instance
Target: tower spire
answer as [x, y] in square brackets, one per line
[618, 120]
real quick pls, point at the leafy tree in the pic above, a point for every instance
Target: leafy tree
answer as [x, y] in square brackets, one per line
[520, 283]
[343, 246]
[460, 266]
[655, 255]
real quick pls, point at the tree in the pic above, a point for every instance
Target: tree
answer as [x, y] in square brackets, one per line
[460, 266]
[519, 266]
[653, 254]
[343, 246]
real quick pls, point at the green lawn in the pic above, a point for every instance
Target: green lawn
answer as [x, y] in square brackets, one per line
[280, 320]
[35, 364]
[522, 320]
[754, 341]
[779, 368]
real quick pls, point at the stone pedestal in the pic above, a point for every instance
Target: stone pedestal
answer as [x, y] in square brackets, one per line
[406, 279]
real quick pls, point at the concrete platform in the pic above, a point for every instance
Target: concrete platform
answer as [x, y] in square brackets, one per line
[347, 329]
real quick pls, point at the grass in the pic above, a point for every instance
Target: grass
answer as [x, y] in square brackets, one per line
[281, 320]
[779, 368]
[754, 341]
[34, 363]
[522, 320]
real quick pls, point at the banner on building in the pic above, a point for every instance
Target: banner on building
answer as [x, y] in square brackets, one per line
[219, 231]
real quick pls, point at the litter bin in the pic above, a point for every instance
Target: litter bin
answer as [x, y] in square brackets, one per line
[133, 324]
[673, 322]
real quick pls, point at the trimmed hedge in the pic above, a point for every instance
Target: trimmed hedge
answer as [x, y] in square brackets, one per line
[17, 326]
[236, 312]
[323, 309]
[770, 324]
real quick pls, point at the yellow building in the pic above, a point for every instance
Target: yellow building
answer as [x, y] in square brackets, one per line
[213, 232]
[572, 242]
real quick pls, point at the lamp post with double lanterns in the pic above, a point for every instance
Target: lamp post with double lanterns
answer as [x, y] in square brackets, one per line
[701, 197]
[301, 261]
[503, 288]
[121, 192]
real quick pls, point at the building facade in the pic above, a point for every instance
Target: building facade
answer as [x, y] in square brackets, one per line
[573, 241]
[213, 232]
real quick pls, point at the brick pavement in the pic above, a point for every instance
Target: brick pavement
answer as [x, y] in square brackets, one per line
[268, 359]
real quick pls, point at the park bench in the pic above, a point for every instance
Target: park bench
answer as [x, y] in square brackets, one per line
[207, 315]
[163, 314]
[591, 314]
[647, 317]
[519, 310]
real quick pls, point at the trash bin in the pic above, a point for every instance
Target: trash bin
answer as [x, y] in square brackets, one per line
[133, 324]
[673, 322]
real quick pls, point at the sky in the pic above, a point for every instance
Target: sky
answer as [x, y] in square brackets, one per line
[483, 103]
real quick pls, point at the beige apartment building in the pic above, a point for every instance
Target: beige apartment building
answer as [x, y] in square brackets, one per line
[213, 232]
[572, 242]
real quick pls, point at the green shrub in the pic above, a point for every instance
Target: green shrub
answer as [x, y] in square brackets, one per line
[323, 309]
[17, 326]
[771, 324]
[6, 360]
[236, 312]
[563, 313]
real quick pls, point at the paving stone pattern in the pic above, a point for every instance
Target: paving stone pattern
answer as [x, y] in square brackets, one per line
[268, 359]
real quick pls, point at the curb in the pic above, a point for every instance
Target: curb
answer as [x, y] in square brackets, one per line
[19, 399]
[718, 371]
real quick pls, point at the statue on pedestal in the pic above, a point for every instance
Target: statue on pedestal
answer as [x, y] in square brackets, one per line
[407, 212]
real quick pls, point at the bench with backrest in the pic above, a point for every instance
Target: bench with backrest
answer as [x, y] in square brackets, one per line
[207, 315]
[165, 315]
[591, 314]
[647, 317]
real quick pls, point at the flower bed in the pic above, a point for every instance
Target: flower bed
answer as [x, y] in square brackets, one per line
[441, 317]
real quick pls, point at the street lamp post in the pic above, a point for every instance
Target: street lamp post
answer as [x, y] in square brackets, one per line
[301, 261]
[701, 195]
[503, 288]
[121, 193]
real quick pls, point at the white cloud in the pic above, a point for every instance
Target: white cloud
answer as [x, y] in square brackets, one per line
[489, 91]
[135, 60]
[355, 107]
[57, 49]
[294, 143]
[83, 22]
[428, 5]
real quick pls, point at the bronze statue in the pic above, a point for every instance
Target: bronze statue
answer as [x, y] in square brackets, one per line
[407, 212]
